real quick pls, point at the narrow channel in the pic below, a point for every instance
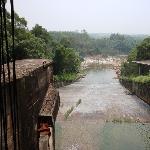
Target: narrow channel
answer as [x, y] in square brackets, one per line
[103, 116]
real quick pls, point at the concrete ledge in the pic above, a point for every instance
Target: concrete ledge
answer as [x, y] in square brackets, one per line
[26, 66]
[50, 103]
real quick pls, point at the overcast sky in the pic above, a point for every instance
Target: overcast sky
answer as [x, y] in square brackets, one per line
[95, 16]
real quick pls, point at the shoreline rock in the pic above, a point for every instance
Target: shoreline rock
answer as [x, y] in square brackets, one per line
[111, 61]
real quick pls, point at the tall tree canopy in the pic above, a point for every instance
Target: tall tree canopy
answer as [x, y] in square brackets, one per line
[66, 60]
[143, 50]
[41, 32]
[27, 44]
[87, 45]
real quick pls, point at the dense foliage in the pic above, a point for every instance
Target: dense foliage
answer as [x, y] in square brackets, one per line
[132, 55]
[130, 70]
[66, 60]
[66, 77]
[26, 44]
[142, 79]
[87, 45]
[143, 50]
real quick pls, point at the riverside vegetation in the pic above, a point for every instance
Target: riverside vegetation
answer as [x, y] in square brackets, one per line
[70, 110]
[130, 76]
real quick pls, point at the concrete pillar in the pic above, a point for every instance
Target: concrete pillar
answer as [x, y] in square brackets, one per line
[139, 69]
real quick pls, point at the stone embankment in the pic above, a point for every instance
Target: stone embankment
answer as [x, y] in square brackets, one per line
[142, 90]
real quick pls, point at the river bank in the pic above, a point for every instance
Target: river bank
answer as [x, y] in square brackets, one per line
[113, 62]
[98, 59]
[66, 79]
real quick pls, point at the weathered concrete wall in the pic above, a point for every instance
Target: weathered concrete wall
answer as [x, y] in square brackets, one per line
[33, 82]
[141, 90]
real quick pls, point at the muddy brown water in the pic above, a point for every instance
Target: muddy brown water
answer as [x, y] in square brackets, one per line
[108, 118]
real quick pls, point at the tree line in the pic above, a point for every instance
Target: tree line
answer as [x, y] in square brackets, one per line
[85, 44]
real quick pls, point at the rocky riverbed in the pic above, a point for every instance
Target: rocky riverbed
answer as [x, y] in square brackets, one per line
[113, 62]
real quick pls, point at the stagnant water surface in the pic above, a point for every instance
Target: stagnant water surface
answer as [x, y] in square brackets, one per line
[108, 118]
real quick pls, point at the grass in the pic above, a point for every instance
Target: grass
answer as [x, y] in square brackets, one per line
[78, 102]
[69, 77]
[69, 111]
[143, 79]
[65, 77]
[123, 120]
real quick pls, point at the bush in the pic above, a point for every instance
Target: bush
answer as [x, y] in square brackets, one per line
[66, 60]
[143, 50]
[129, 69]
[138, 79]
[142, 79]
[132, 55]
[67, 77]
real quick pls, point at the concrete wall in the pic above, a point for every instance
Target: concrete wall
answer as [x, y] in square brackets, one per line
[32, 89]
[141, 90]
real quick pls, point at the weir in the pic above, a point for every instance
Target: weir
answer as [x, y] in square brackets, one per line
[37, 100]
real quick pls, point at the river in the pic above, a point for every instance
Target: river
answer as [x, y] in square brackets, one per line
[104, 115]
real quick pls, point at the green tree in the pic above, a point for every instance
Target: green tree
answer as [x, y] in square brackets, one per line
[143, 50]
[132, 55]
[26, 44]
[140, 52]
[41, 32]
[31, 47]
[66, 60]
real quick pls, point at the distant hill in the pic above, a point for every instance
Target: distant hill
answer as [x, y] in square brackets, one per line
[139, 36]
[99, 35]
[97, 43]
[107, 35]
